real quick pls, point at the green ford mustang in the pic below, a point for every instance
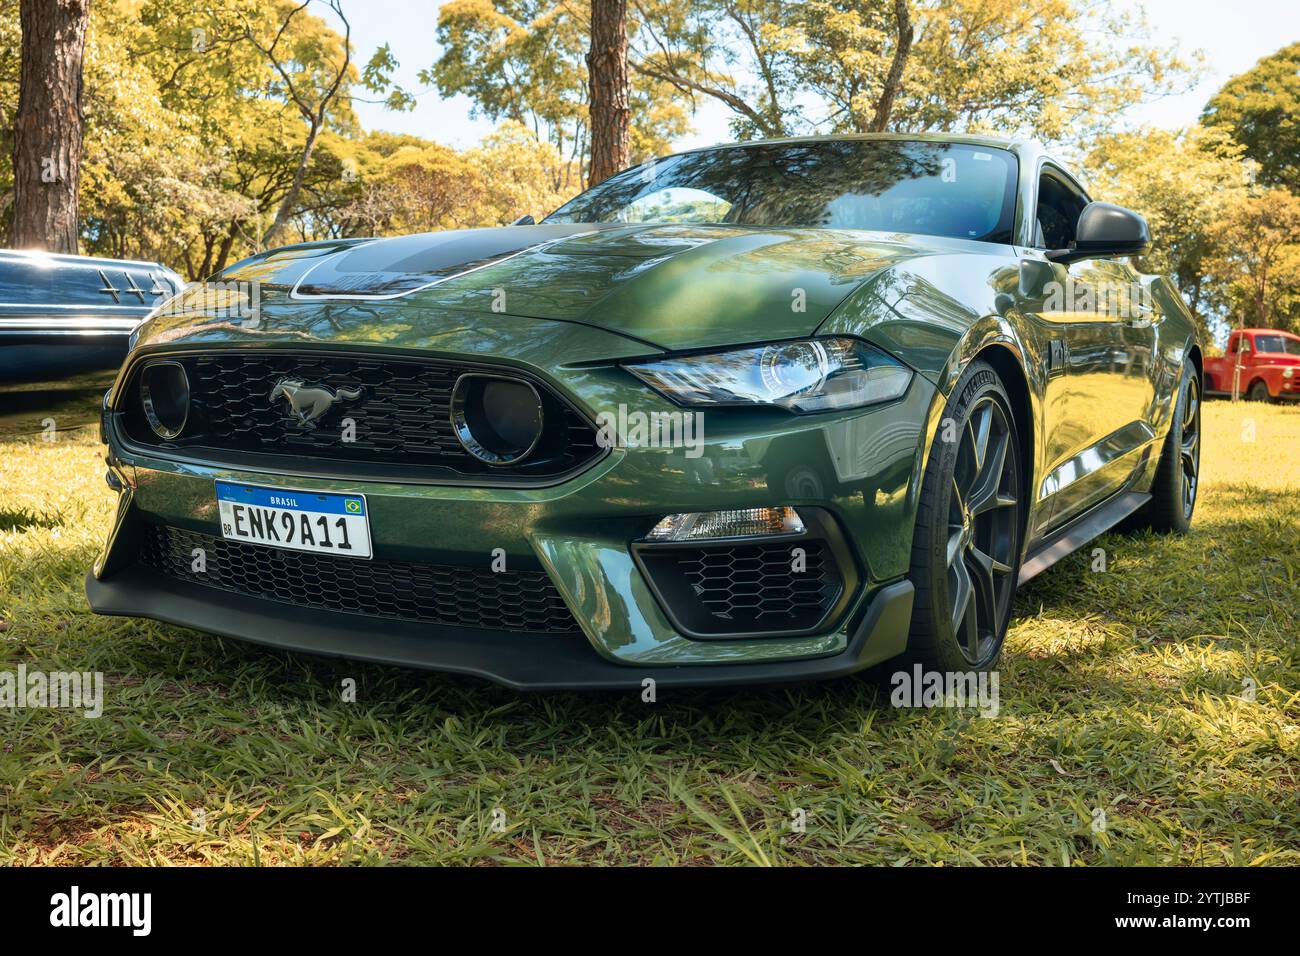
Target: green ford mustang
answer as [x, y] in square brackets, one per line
[759, 412]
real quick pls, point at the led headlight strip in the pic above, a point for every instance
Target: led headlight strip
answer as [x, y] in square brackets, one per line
[811, 375]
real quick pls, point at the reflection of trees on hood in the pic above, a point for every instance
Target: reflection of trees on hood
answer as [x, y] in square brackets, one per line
[791, 184]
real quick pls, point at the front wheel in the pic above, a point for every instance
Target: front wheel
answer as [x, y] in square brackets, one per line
[1177, 480]
[966, 548]
[1259, 392]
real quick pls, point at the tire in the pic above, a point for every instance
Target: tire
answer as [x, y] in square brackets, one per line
[1258, 392]
[966, 547]
[1177, 479]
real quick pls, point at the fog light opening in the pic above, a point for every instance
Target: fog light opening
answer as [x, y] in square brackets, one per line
[165, 396]
[497, 420]
[742, 523]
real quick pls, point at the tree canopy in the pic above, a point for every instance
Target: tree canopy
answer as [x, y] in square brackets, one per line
[195, 132]
[1261, 109]
[1182, 182]
[212, 131]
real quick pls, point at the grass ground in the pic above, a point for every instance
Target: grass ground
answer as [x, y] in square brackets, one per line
[1124, 692]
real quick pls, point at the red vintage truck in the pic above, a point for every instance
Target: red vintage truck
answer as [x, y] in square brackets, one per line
[1270, 366]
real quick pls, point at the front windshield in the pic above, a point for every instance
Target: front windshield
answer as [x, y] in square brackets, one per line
[937, 189]
[1283, 344]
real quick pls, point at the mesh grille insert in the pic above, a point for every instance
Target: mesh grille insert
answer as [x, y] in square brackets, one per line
[758, 582]
[746, 588]
[400, 419]
[460, 597]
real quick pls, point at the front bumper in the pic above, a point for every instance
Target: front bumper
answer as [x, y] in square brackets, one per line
[860, 469]
[520, 661]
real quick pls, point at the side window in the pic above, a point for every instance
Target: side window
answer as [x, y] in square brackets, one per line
[1059, 206]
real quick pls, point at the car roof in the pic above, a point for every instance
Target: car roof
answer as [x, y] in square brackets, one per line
[974, 139]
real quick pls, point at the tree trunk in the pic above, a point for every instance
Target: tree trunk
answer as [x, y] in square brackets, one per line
[314, 112]
[611, 114]
[48, 125]
[223, 256]
[203, 271]
[290, 199]
[1261, 294]
[894, 80]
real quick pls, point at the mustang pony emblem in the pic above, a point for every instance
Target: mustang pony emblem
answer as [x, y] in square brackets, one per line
[309, 402]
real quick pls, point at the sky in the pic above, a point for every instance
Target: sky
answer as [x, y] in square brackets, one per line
[1233, 37]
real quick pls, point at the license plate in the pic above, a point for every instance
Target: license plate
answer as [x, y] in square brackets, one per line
[297, 520]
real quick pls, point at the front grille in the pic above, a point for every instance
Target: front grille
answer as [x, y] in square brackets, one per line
[459, 597]
[717, 590]
[400, 424]
[758, 582]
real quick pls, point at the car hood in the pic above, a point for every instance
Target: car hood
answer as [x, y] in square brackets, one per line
[671, 286]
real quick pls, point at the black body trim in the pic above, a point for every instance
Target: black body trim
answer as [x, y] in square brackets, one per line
[679, 606]
[519, 661]
[1080, 531]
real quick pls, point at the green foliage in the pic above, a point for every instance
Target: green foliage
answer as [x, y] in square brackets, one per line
[1232, 247]
[1183, 183]
[376, 76]
[10, 62]
[1261, 108]
[193, 137]
[1257, 259]
[1054, 69]
[524, 61]
[405, 184]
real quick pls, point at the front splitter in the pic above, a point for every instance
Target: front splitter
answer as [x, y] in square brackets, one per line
[522, 661]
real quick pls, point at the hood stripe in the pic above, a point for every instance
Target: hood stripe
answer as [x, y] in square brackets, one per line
[329, 261]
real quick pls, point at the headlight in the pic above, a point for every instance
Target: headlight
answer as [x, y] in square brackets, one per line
[816, 375]
[1288, 373]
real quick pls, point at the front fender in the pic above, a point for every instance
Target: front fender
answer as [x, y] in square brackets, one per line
[937, 314]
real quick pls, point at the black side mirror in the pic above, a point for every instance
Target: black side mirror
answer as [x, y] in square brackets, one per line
[524, 221]
[1105, 230]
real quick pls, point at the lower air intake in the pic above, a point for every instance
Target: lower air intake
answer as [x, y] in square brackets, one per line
[437, 594]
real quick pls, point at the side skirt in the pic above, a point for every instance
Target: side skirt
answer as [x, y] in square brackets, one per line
[1080, 531]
